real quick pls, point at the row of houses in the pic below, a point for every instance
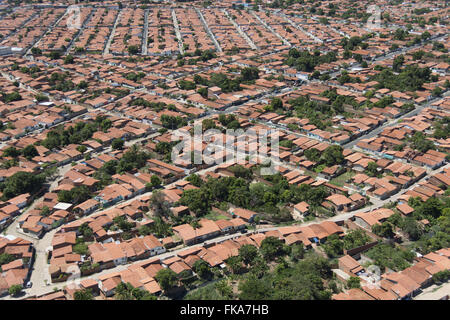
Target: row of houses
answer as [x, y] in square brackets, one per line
[403, 285]
[17, 271]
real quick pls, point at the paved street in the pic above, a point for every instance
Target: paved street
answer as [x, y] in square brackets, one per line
[100, 29]
[387, 124]
[435, 292]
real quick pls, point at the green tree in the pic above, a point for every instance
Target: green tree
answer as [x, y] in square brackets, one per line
[254, 289]
[10, 97]
[441, 276]
[125, 291]
[271, 247]
[400, 34]
[22, 182]
[250, 73]
[110, 167]
[197, 200]
[15, 290]
[333, 246]
[437, 92]
[122, 223]
[224, 289]
[241, 172]
[6, 258]
[45, 211]
[248, 253]
[163, 147]
[355, 238]
[41, 97]
[11, 152]
[65, 196]
[383, 230]
[81, 148]
[312, 154]
[186, 85]
[208, 124]
[159, 205]
[36, 51]
[80, 247]
[68, 59]
[372, 169]
[132, 50]
[431, 208]
[332, 155]
[166, 278]
[172, 122]
[297, 252]
[354, 283]
[395, 258]
[203, 92]
[76, 195]
[398, 62]
[29, 152]
[160, 228]
[202, 269]
[117, 144]
[155, 181]
[276, 103]
[195, 180]
[85, 230]
[83, 294]
[412, 228]
[54, 55]
[234, 263]
[80, 194]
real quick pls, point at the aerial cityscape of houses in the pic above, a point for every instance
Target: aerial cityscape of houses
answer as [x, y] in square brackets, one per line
[101, 196]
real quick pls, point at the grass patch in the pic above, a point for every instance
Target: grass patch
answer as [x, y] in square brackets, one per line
[392, 257]
[216, 216]
[437, 288]
[310, 173]
[319, 168]
[340, 180]
[286, 223]
[205, 292]
[324, 212]
[309, 217]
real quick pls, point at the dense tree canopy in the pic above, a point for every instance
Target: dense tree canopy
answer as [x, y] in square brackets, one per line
[21, 182]
[271, 247]
[125, 291]
[300, 281]
[84, 294]
[410, 78]
[305, 61]
[166, 278]
[76, 195]
[392, 257]
[250, 73]
[248, 253]
[330, 156]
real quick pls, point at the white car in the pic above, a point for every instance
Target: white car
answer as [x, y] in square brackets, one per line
[29, 284]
